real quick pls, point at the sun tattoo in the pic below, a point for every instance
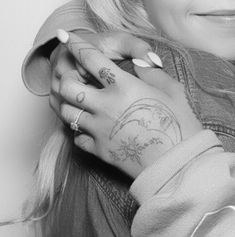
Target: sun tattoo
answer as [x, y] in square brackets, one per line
[131, 149]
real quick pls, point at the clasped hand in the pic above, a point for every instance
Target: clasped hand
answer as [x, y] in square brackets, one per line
[127, 122]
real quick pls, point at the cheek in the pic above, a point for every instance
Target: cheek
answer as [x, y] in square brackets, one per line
[166, 15]
[155, 10]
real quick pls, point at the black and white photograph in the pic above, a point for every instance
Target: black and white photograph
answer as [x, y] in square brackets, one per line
[117, 118]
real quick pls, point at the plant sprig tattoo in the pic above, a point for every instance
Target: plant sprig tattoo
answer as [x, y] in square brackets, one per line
[106, 74]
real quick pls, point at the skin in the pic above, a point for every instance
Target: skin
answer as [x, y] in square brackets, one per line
[135, 125]
[128, 127]
[178, 19]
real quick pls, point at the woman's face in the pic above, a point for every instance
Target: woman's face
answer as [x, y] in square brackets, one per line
[208, 25]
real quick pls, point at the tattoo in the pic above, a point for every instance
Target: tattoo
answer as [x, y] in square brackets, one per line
[132, 149]
[162, 120]
[75, 47]
[155, 125]
[78, 47]
[80, 97]
[105, 74]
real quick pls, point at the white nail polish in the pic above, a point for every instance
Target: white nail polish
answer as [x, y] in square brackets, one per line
[155, 59]
[140, 63]
[62, 36]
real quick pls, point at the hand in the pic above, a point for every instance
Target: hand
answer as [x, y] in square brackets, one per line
[128, 123]
[115, 45]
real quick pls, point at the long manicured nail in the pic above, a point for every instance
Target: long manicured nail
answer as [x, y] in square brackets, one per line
[140, 63]
[62, 36]
[155, 59]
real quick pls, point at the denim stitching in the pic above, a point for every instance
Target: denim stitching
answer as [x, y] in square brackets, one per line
[126, 206]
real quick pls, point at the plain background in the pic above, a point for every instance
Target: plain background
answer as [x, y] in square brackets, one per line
[24, 118]
[20, 111]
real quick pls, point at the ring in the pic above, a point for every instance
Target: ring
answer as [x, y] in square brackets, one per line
[76, 125]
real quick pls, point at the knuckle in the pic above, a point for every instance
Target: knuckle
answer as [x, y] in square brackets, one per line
[58, 71]
[85, 142]
[63, 90]
[65, 82]
[60, 67]
[87, 58]
[64, 112]
[85, 117]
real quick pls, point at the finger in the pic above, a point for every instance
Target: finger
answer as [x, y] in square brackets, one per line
[55, 103]
[81, 70]
[136, 48]
[107, 43]
[158, 78]
[85, 142]
[78, 94]
[107, 72]
[87, 77]
[55, 82]
[69, 114]
[55, 85]
[119, 45]
[65, 62]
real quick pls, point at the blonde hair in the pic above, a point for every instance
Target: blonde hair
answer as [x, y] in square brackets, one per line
[53, 168]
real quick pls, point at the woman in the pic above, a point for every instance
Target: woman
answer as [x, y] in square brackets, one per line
[107, 195]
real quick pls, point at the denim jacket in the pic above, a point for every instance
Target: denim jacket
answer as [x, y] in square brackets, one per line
[96, 200]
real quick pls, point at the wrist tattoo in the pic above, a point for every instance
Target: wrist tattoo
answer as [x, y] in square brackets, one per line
[106, 74]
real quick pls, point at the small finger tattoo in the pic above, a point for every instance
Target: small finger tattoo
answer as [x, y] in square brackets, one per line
[106, 74]
[78, 47]
[80, 97]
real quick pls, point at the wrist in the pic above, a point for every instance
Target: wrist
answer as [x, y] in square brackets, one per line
[155, 176]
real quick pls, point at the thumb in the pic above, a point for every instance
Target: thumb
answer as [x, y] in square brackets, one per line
[119, 45]
[136, 48]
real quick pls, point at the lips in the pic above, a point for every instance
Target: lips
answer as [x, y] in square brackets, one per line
[224, 13]
[222, 17]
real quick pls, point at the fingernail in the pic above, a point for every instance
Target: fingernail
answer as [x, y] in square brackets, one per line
[155, 59]
[140, 63]
[62, 36]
